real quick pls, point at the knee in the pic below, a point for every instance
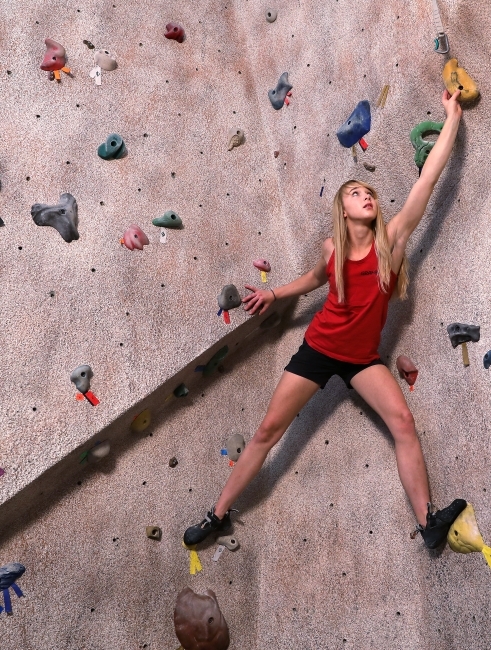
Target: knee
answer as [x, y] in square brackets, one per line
[269, 432]
[402, 425]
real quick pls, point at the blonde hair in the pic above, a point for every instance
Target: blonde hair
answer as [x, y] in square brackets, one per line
[382, 247]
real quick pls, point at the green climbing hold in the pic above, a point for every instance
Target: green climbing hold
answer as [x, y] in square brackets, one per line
[214, 362]
[169, 219]
[181, 391]
[112, 148]
[423, 147]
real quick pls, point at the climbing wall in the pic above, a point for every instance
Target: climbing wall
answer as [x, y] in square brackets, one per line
[325, 558]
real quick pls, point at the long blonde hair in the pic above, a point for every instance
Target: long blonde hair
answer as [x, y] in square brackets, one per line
[382, 247]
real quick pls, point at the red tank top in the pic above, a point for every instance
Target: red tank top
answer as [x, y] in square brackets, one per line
[351, 331]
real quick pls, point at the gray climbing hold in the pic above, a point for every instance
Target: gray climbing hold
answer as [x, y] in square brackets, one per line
[10, 573]
[270, 321]
[235, 446]
[63, 216]
[462, 333]
[230, 541]
[105, 60]
[81, 377]
[229, 298]
[99, 451]
[113, 148]
[271, 15]
[236, 137]
[369, 168]
[278, 95]
[169, 219]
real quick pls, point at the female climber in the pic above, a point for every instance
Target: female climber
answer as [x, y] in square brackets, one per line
[364, 264]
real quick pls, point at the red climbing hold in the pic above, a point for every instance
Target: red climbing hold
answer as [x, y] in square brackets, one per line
[175, 32]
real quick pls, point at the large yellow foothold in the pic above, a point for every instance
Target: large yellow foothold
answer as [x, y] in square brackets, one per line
[464, 535]
[141, 422]
[456, 78]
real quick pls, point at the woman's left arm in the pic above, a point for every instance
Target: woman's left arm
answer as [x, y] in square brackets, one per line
[402, 225]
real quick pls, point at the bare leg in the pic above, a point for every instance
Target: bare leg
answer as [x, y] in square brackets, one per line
[290, 396]
[380, 390]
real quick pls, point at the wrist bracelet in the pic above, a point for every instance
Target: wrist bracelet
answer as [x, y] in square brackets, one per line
[273, 293]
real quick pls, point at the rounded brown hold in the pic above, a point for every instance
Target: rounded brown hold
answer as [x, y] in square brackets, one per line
[173, 462]
[407, 369]
[199, 623]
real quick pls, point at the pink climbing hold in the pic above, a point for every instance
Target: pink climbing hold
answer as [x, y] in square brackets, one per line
[262, 265]
[134, 237]
[55, 57]
[175, 32]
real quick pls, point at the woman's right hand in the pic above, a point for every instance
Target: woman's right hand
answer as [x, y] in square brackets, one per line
[258, 301]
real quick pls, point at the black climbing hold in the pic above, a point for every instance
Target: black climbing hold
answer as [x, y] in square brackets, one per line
[89, 44]
[278, 95]
[173, 462]
[356, 126]
[461, 333]
[229, 297]
[181, 391]
[63, 216]
[113, 148]
[487, 359]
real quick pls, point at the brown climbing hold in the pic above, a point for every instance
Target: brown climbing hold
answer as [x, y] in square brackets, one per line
[406, 368]
[153, 532]
[456, 78]
[174, 32]
[236, 137]
[199, 623]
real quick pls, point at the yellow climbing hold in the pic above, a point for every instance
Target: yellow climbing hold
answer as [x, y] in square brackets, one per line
[194, 563]
[456, 78]
[141, 422]
[464, 535]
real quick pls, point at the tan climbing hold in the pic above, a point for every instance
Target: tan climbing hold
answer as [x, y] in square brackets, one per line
[236, 137]
[141, 422]
[456, 78]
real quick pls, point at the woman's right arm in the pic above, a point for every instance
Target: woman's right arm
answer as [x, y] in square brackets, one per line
[260, 299]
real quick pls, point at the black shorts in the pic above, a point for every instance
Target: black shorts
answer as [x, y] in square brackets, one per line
[319, 368]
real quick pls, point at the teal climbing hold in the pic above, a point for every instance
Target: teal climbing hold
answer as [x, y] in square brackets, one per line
[112, 148]
[422, 146]
[169, 219]
[215, 360]
[181, 391]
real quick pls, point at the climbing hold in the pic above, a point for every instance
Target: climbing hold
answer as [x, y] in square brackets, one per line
[423, 147]
[55, 56]
[10, 573]
[141, 421]
[456, 78]
[487, 359]
[81, 377]
[229, 298]
[369, 168]
[278, 95]
[105, 60]
[89, 44]
[383, 96]
[230, 541]
[236, 137]
[407, 369]
[153, 532]
[2, 222]
[134, 237]
[99, 451]
[464, 535]
[113, 148]
[271, 321]
[235, 446]
[271, 15]
[214, 362]
[169, 219]
[262, 265]
[175, 32]
[173, 462]
[199, 623]
[461, 334]
[356, 126]
[181, 391]
[276, 154]
[63, 216]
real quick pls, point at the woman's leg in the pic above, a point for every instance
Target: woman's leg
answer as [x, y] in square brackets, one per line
[380, 390]
[290, 396]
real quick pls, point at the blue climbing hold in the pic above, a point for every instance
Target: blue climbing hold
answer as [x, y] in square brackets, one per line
[8, 575]
[356, 126]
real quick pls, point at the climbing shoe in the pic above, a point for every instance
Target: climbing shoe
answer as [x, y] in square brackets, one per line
[438, 523]
[199, 532]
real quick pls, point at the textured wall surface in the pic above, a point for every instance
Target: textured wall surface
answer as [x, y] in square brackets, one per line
[325, 560]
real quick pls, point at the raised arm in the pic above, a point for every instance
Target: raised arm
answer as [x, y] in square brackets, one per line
[260, 299]
[403, 224]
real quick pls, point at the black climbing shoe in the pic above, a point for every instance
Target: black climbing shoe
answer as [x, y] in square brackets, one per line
[211, 523]
[438, 523]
